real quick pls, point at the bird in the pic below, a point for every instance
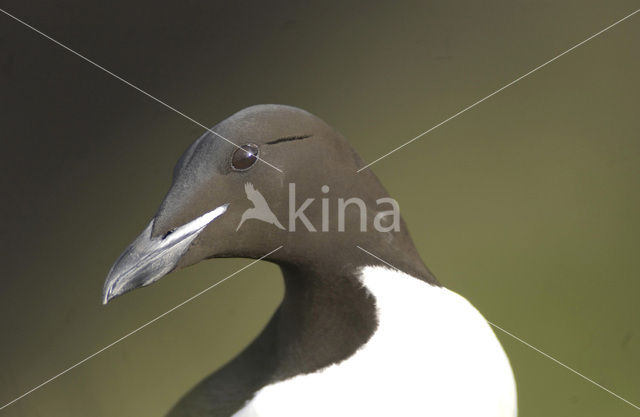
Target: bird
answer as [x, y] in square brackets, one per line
[363, 328]
[260, 209]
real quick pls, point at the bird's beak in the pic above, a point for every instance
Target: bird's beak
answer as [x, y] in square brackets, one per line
[150, 258]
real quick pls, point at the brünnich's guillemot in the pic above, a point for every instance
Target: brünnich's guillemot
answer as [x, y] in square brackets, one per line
[352, 336]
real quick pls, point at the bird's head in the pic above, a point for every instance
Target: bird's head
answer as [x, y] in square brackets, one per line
[257, 153]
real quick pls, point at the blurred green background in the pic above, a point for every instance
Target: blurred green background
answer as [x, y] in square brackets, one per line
[528, 205]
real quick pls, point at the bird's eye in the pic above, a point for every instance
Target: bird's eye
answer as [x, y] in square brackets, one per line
[244, 157]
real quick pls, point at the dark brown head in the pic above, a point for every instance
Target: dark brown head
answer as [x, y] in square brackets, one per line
[269, 176]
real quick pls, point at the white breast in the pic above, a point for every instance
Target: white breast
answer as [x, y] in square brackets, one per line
[432, 355]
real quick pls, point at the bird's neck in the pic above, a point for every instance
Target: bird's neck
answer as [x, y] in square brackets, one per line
[324, 318]
[327, 314]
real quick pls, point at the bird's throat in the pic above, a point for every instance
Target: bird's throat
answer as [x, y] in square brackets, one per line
[324, 318]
